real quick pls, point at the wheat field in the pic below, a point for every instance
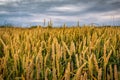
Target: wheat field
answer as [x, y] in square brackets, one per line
[80, 53]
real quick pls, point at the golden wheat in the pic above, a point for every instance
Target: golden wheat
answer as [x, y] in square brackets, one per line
[86, 53]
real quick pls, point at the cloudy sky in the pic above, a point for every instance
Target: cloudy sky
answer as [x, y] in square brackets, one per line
[33, 12]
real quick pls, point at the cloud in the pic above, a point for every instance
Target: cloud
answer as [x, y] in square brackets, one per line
[4, 12]
[60, 11]
[68, 8]
[5, 2]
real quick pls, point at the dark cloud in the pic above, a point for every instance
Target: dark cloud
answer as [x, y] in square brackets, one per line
[104, 6]
[58, 10]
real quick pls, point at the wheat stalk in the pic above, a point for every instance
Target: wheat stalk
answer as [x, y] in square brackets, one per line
[78, 73]
[115, 72]
[67, 72]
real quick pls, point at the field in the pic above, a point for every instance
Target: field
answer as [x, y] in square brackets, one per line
[79, 53]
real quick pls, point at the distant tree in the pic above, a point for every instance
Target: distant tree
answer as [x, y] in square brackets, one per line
[50, 24]
[33, 27]
[78, 24]
[64, 25]
[44, 22]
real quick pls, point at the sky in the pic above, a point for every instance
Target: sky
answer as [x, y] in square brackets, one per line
[33, 12]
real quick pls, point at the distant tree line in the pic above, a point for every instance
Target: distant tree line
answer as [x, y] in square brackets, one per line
[6, 25]
[50, 25]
